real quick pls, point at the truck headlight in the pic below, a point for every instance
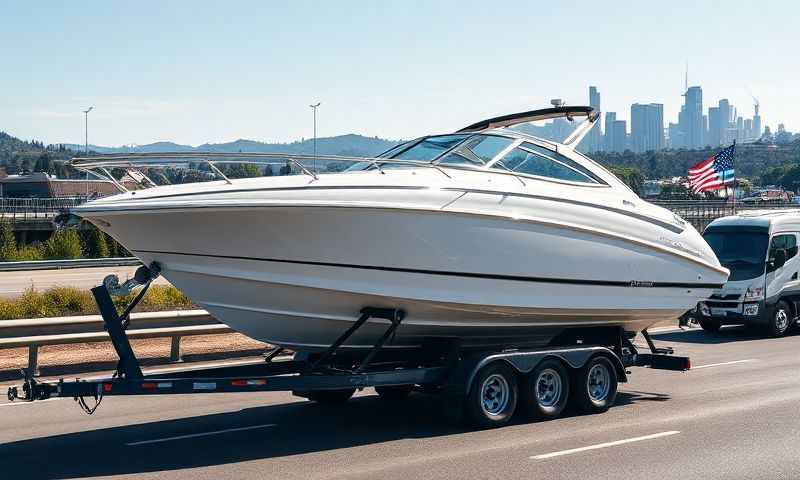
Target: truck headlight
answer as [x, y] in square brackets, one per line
[754, 293]
[703, 309]
[750, 309]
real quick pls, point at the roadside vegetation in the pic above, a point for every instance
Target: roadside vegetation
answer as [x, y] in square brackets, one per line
[63, 244]
[66, 301]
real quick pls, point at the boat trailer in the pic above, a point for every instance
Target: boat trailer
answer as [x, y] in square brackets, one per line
[440, 365]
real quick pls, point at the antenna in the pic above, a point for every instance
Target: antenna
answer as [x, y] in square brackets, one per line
[686, 78]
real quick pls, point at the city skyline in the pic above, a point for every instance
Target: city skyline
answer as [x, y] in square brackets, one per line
[696, 127]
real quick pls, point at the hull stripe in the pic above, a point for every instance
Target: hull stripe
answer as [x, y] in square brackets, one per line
[489, 276]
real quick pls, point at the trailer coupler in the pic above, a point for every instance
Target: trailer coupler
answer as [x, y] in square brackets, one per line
[31, 390]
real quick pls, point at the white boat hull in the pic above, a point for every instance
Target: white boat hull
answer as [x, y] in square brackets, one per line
[297, 274]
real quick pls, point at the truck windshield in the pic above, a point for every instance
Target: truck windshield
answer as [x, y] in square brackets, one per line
[743, 253]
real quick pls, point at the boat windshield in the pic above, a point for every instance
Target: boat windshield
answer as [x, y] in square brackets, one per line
[421, 150]
[743, 253]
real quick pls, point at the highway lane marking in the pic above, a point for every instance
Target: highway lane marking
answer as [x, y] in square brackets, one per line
[604, 445]
[734, 362]
[195, 435]
[24, 402]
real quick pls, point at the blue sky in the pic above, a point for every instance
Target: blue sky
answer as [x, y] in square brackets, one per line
[196, 71]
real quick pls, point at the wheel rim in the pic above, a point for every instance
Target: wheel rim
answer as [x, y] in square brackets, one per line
[598, 382]
[781, 319]
[548, 388]
[495, 392]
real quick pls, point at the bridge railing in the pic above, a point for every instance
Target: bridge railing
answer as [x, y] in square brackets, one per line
[23, 209]
[700, 213]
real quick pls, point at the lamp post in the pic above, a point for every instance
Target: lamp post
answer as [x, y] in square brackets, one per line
[314, 107]
[86, 142]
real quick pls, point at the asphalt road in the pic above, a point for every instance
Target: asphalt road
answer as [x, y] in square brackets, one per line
[736, 415]
[13, 284]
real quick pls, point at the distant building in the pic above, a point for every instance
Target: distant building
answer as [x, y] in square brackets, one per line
[41, 185]
[690, 118]
[756, 124]
[619, 136]
[647, 127]
[611, 117]
[714, 127]
[594, 140]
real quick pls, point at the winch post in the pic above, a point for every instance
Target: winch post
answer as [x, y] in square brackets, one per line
[128, 363]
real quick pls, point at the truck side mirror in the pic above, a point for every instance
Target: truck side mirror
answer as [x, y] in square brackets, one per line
[778, 259]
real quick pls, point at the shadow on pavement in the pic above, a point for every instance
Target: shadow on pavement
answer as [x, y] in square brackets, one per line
[300, 427]
[725, 335]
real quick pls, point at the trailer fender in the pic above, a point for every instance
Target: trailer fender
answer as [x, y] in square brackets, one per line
[524, 362]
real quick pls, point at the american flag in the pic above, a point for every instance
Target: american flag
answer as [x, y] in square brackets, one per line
[714, 173]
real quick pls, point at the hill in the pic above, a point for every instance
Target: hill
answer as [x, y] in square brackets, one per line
[350, 144]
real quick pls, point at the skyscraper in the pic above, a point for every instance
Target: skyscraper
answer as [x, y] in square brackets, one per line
[594, 140]
[690, 118]
[756, 123]
[647, 127]
[725, 115]
[611, 117]
[714, 127]
[619, 136]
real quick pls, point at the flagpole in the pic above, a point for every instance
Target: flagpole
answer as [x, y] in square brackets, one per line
[734, 179]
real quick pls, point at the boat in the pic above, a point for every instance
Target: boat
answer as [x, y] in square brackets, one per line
[488, 235]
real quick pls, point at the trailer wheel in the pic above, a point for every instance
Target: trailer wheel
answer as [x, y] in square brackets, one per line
[711, 326]
[596, 386]
[545, 390]
[492, 398]
[780, 321]
[331, 396]
[394, 392]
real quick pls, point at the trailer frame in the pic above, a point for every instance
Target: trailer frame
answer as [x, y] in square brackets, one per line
[440, 366]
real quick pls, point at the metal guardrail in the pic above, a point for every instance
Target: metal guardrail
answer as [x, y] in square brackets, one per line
[66, 264]
[36, 332]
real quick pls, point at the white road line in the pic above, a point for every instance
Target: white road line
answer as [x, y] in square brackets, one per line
[604, 445]
[723, 363]
[20, 403]
[194, 435]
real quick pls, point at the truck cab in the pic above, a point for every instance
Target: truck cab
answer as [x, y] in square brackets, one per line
[760, 248]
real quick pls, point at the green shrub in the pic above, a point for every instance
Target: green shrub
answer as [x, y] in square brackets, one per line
[8, 242]
[64, 244]
[96, 245]
[65, 301]
[28, 253]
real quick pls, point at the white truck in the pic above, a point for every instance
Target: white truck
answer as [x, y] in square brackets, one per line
[763, 290]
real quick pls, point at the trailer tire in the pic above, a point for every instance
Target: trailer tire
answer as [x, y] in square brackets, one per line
[492, 398]
[780, 320]
[394, 392]
[595, 389]
[331, 396]
[544, 391]
[709, 325]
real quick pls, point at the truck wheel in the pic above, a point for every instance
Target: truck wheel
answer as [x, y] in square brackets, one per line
[492, 398]
[394, 392]
[596, 386]
[780, 321]
[545, 390]
[709, 325]
[331, 396]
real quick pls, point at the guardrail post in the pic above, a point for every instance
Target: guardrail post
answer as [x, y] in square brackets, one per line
[175, 350]
[33, 360]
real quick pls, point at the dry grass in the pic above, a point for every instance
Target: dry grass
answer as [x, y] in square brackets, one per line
[65, 301]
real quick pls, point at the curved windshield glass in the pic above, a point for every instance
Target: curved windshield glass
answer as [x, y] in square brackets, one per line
[477, 151]
[430, 148]
[542, 162]
[743, 253]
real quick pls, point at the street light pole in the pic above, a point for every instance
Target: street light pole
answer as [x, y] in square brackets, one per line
[314, 107]
[86, 142]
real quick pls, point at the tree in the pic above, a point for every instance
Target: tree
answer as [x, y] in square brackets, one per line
[96, 244]
[8, 242]
[64, 244]
[632, 178]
